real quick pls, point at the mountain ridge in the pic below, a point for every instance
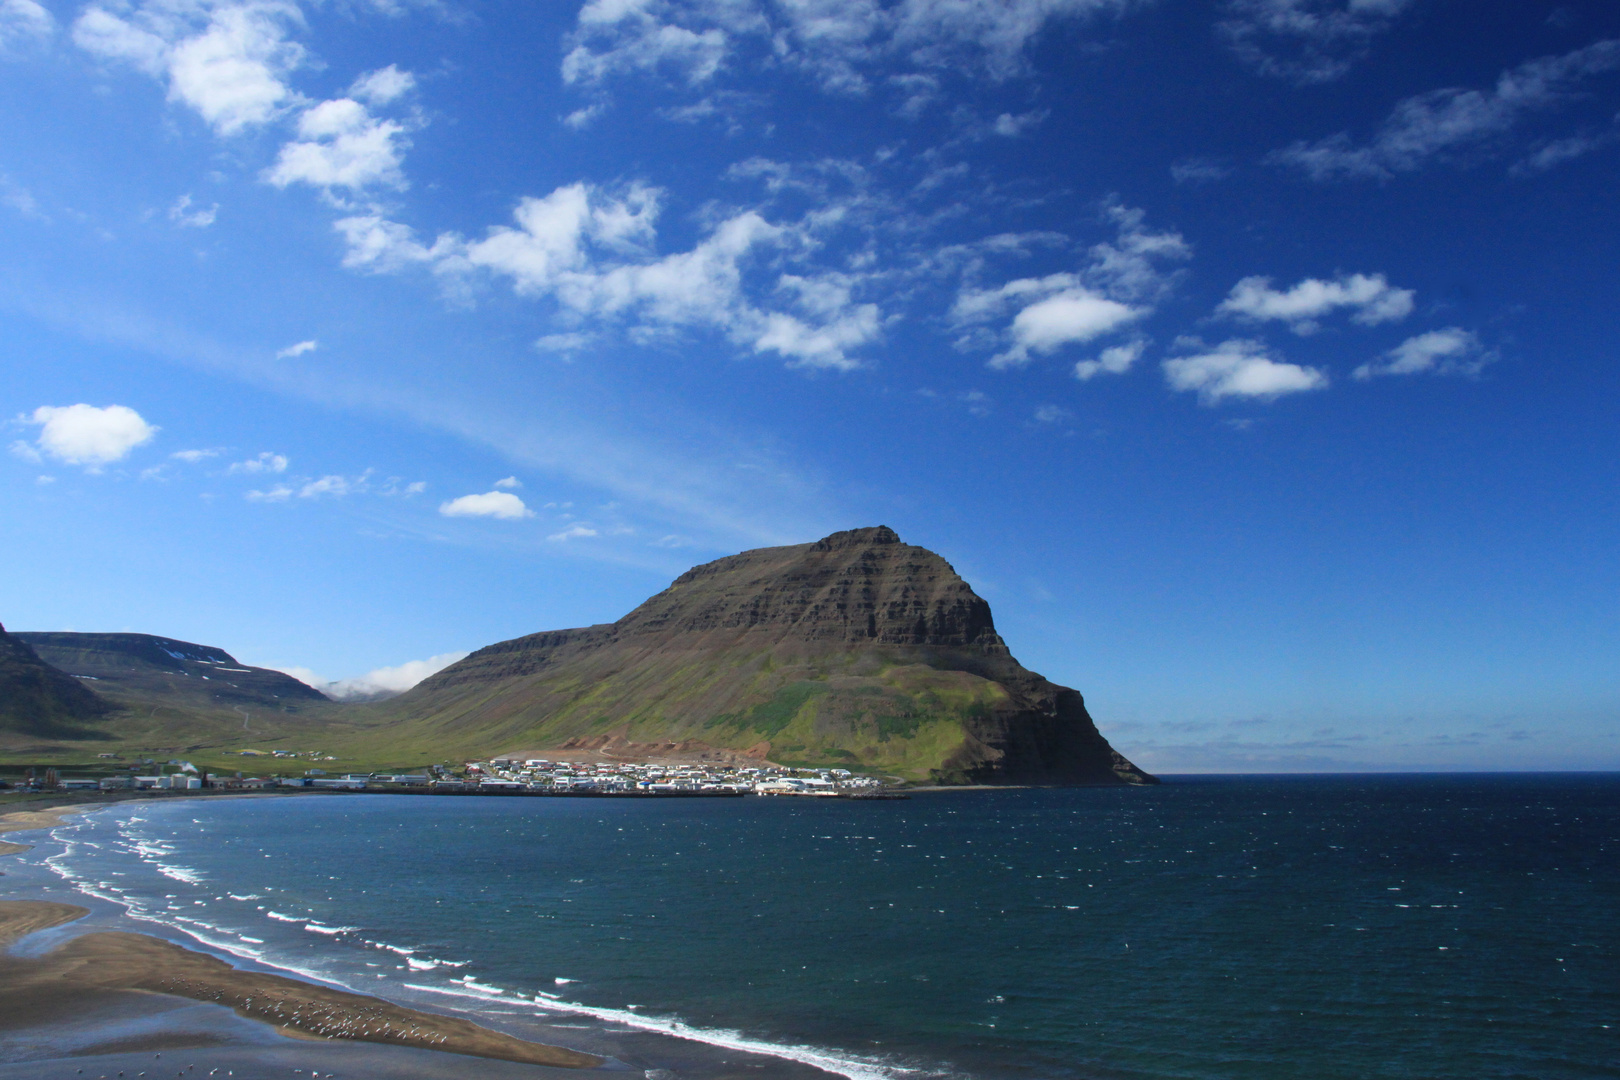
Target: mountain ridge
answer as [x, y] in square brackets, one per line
[856, 648]
[38, 699]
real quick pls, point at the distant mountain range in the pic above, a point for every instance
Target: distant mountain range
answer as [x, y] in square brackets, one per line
[857, 649]
[40, 701]
[157, 694]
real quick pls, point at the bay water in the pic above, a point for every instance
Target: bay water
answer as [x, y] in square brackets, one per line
[1221, 928]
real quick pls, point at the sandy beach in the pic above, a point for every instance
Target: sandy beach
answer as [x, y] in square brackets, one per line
[120, 973]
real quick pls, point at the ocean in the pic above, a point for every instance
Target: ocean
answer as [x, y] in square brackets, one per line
[1231, 928]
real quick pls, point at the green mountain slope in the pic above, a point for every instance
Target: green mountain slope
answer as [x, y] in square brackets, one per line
[161, 695]
[37, 701]
[857, 649]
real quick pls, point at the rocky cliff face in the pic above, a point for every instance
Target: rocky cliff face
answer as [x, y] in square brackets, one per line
[857, 648]
[38, 700]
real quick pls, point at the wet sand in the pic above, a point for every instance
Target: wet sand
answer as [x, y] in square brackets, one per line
[135, 962]
[34, 989]
[110, 971]
[23, 820]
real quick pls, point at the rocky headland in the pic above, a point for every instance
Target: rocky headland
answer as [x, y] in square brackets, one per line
[857, 649]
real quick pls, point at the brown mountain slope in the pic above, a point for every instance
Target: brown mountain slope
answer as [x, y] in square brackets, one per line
[38, 700]
[858, 649]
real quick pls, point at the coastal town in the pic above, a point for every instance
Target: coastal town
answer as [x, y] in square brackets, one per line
[497, 776]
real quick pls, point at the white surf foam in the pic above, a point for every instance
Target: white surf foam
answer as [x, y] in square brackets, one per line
[179, 873]
[842, 1065]
[320, 928]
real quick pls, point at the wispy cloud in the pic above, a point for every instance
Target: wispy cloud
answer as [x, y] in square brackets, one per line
[1114, 360]
[1454, 124]
[1306, 41]
[577, 531]
[844, 48]
[265, 462]
[182, 214]
[23, 24]
[1443, 352]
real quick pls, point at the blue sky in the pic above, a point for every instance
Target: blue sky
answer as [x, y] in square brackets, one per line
[1254, 358]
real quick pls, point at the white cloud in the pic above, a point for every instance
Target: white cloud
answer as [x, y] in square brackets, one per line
[1306, 41]
[1451, 123]
[1551, 153]
[494, 504]
[1238, 368]
[23, 22]
[1199, 171]
[279, 493]
[592, 253]
[647, 36]
[569, 342]
[1051, 414]
[380, 246]
[227, 61]
[1117, 287]
[193, 457]
[1011, 126]
[1071, 316]
[978, 403]
[185, 217]
[20, 199]
[88, 436]
[1441, 351]
[296, 350]
[1372, 298]
[580, 119]
[341, 144]
[573, 532]
[383, 86]
[1115, 360]
[266, 462]
[511, 483]
[335, 486]
[379, 683]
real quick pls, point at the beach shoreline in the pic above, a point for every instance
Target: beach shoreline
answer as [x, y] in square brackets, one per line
[98, 968]
[189, 1009]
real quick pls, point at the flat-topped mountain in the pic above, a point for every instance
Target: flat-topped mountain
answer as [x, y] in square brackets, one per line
[857, 648]
[143, 667]
[163, 696]
[36, 699]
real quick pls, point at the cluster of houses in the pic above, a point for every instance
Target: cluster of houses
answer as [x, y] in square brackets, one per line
[505, 775]
[539, 774]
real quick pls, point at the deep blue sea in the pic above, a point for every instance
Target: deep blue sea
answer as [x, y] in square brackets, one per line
[1220, 928]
